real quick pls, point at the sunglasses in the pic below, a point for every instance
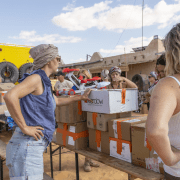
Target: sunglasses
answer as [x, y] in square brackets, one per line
[58, 59]
[150, 76]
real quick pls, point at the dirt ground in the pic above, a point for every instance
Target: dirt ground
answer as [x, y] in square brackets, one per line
[68, 171]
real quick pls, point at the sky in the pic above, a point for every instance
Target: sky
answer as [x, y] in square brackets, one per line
[79, 27]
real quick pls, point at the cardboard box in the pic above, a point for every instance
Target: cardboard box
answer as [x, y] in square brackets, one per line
[121, 128]
[143, 155]
[6, 86]
[99, 121]
[71, 113]
[74, 136]
[121, 149]
[2, 93]
[99, 141]
[2, 109]
[111, 101]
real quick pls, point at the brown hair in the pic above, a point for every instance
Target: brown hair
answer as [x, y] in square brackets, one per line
[85, 72]
[172, 47]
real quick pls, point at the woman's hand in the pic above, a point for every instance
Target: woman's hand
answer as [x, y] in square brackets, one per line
[34, 131]
[85, 96]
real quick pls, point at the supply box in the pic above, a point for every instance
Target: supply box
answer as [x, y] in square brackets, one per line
[111, 101]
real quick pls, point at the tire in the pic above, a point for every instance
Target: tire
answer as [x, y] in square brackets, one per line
[9, 72]
[25, 68]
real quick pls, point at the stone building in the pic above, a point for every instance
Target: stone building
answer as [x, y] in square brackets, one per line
[141, 61]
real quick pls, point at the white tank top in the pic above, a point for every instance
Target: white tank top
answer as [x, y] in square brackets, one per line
[174, 137]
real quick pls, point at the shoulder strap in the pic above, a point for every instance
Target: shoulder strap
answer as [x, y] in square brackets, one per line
[175, 79]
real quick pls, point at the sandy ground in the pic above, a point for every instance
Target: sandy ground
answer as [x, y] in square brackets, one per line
[68, 166]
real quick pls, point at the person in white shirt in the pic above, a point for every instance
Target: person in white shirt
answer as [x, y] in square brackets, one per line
[62, 83]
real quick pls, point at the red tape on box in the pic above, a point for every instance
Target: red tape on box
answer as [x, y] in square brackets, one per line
[75, 136]
[94, 116]
[98, 138]
[148, 145]
[123, 94]
[79, 108]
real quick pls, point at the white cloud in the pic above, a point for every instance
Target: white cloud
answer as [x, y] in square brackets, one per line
[128, 45]
[77, 60]
[102, 16]
[70, 6]
[32, 37]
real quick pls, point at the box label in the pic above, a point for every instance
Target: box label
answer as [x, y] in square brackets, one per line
[70, 139]
[99, 148]
[115, 129]
[125, 154]
[152, 164]
[133, 120]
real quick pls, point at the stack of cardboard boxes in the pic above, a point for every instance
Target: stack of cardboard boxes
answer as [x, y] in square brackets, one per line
[72, 129]
[109, 120]
[112, 128]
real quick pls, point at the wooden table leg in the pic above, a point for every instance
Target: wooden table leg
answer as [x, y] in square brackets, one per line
[130, 177]
[59, 158]
[77, 166]
[1, 168]
[51, 160]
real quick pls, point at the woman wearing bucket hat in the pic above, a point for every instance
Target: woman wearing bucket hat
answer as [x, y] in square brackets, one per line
[163, 122]
[117, 81]
[32, 106]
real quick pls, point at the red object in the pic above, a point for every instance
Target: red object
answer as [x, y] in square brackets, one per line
[103, 87]
[67, 70]
[94, 79]
[0, 49]
[57, 93]
[80, 78]
[84, 81]
[71, 92]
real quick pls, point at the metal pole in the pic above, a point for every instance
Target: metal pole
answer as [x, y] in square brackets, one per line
[1, 168]
[77, 166]
[51, 160]
[142, 22]
[60, 158]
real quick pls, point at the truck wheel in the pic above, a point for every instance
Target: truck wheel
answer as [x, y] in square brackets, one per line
[25, 68]
[9, 72]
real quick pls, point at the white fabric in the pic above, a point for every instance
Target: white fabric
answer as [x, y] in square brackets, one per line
[174, 137]
[67, 85]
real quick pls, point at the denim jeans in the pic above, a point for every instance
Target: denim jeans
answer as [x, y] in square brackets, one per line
[24, 156]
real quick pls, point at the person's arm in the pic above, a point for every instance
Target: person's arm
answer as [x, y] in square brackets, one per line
[129, 84]
[12, 97]
[163, 103]
[66, 101]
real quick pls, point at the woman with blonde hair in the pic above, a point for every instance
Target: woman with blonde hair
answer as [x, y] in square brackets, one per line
[163, 123]
[85, 74]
